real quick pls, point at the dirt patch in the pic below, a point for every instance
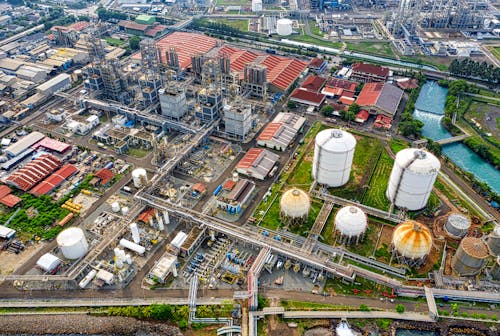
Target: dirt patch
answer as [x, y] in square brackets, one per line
[9, 261]
[386, 237]
[433, 258]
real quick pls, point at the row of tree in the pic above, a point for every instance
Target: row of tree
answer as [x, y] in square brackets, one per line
[104, 14]
[472, 69]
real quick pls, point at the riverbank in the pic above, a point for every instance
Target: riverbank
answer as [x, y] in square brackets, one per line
[82, 324]
[442, 328]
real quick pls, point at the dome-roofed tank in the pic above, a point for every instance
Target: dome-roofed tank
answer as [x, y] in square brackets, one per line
[412, 243]
[351, 223]
[457, 225]
[471, 256]
[72, 243]
[333, 153]
[139, 177]
[294, 206]
[493, 241]
[284, 27]
[412, 178]
[495, 269]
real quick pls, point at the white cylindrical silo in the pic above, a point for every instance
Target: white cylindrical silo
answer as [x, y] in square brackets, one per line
[118, 258]
[125, 211]
[457, 225]
[351, 223]
[284, 27]
[139, 177]
[166, 217]
[412, 178]
[136, 237]
[115, 206]
[72, 243]
[333, 154]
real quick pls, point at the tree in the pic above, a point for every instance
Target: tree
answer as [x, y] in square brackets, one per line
[410, 127]
[327, 110]
[400, 308]
[134, 42]
[350, 114]
[291, 104]
[354, 108]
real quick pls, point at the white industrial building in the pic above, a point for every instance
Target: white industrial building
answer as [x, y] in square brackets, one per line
[31, 73]
[82, 128]
[280, 133]
[6, 233]
[412, 178]
[256, 5]
[237, 121]
[165, 266]
[60, 82]
[333, 154]
[49, 263]
[23, 144]
[173, 102]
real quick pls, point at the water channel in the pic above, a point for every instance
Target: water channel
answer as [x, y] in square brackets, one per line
[429, 108]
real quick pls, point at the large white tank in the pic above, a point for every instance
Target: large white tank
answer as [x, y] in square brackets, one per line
[72, 243]
[284, 27]
[351, 223]
[294, 205]
[115, 206]
[333, 153]
[139, 177]
[412, 178]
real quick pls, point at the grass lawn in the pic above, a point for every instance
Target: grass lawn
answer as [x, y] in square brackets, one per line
[365, 157]
[376, 48]
[114, 42]
[138, 152]
[304, 229]
[304, 305]
[495, 51]
[397, 145]
[442, 63]
[302, 174]
[328, 234]
[314, 28]
[375, 195]
[314, 41]
[240, 24]
[366, 247]
[360, 284]
[233, 2]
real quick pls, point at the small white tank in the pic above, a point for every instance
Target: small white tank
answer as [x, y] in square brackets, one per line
[125, 211]
[136, 237]
[139, 177]
[235, 177]
[115, 206]
[72, 243]
[457, 225]
[284, 27]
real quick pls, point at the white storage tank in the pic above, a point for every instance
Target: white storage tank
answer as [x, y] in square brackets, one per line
[49, 263]
[72, 243]
[125, 211]
[139, 177]
[351, 223]
[294, 206]
[284, 27]
[493, 241]
[457, 225]
[411, 243]
[115, 206]
[412, 178]
[333, 154]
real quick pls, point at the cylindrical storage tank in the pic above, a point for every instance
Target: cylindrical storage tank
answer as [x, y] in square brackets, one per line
[412, 178]
[235, 177]
[333, 153]
[351, 223]
[411, 243]
[284, 27]
[471, 256]
[139, 177]
[495, 270]
[457, 225]
[115, 206]
[72, 243]
[493, 241]
[125, 211]
[77, 75]
[294, 206]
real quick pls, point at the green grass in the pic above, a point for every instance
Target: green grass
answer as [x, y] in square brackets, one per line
[138, 152]
[328, 234]
[305, 305]
[304, 229]
[233, 2]
[495, 51]
[366, 247]
[314, 41]
[442, 63]
[397, 145]
[375, 48]
[360, 284]
[375, 195]
[114, 42]
[315, 29]
[240, 24]
[365, 157]
[272, 218]
[302, 174]
[489, 93]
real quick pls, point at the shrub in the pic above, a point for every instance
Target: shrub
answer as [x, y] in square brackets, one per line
[400, 308]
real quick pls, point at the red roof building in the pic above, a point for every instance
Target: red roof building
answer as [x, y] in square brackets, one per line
[52, 144]
[313, 83]
[6, 198]
[146, 215]
[200, 188]
[346, 100]
[54, 180]
[4, 190]
[383, 121]
[407, 84]
[282, 72]
[307, 97]
[228, 185]
[362, 116]
[369, 73]
[155, 30]
[34, 172]
[380, 98]
[344, 84]
[133, 25]
[257, 163]
[102, 177]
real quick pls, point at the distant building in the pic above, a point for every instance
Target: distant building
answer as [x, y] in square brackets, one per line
[369, 73]
[380, 98]
[306, 97]
[317, 65]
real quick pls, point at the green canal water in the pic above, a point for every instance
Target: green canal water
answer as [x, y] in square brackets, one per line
[429, 108]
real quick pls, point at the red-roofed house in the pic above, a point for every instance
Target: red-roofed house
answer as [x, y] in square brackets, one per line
[35, 171]
[362, 116]
[103, 177]
[364, 72]
[53, 144]
[6, 198]
[199, 189]
[306, 97]
[317, 65]
[4, 190]
[383, 121]
[346, 100]
[313, 83]
[229, 185]
[54, 180]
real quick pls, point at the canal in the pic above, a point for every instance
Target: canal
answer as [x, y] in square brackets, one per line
[429, 108]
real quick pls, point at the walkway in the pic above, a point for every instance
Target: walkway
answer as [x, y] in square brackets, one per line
[357, 315]
[452, 139]
[318, 225]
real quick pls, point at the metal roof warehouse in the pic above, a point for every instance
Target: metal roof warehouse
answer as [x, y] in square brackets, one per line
[257, 163]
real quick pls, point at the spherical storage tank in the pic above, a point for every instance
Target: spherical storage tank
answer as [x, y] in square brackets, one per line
[333, 153]
[457, 225]
[284, 27]
[139, 177]
[412, 243]
[72, 243]
[471, 256]
[294, 205]
[351, 223]
[412, 178]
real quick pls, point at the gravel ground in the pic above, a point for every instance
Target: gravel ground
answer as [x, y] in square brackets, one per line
[82, 324]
